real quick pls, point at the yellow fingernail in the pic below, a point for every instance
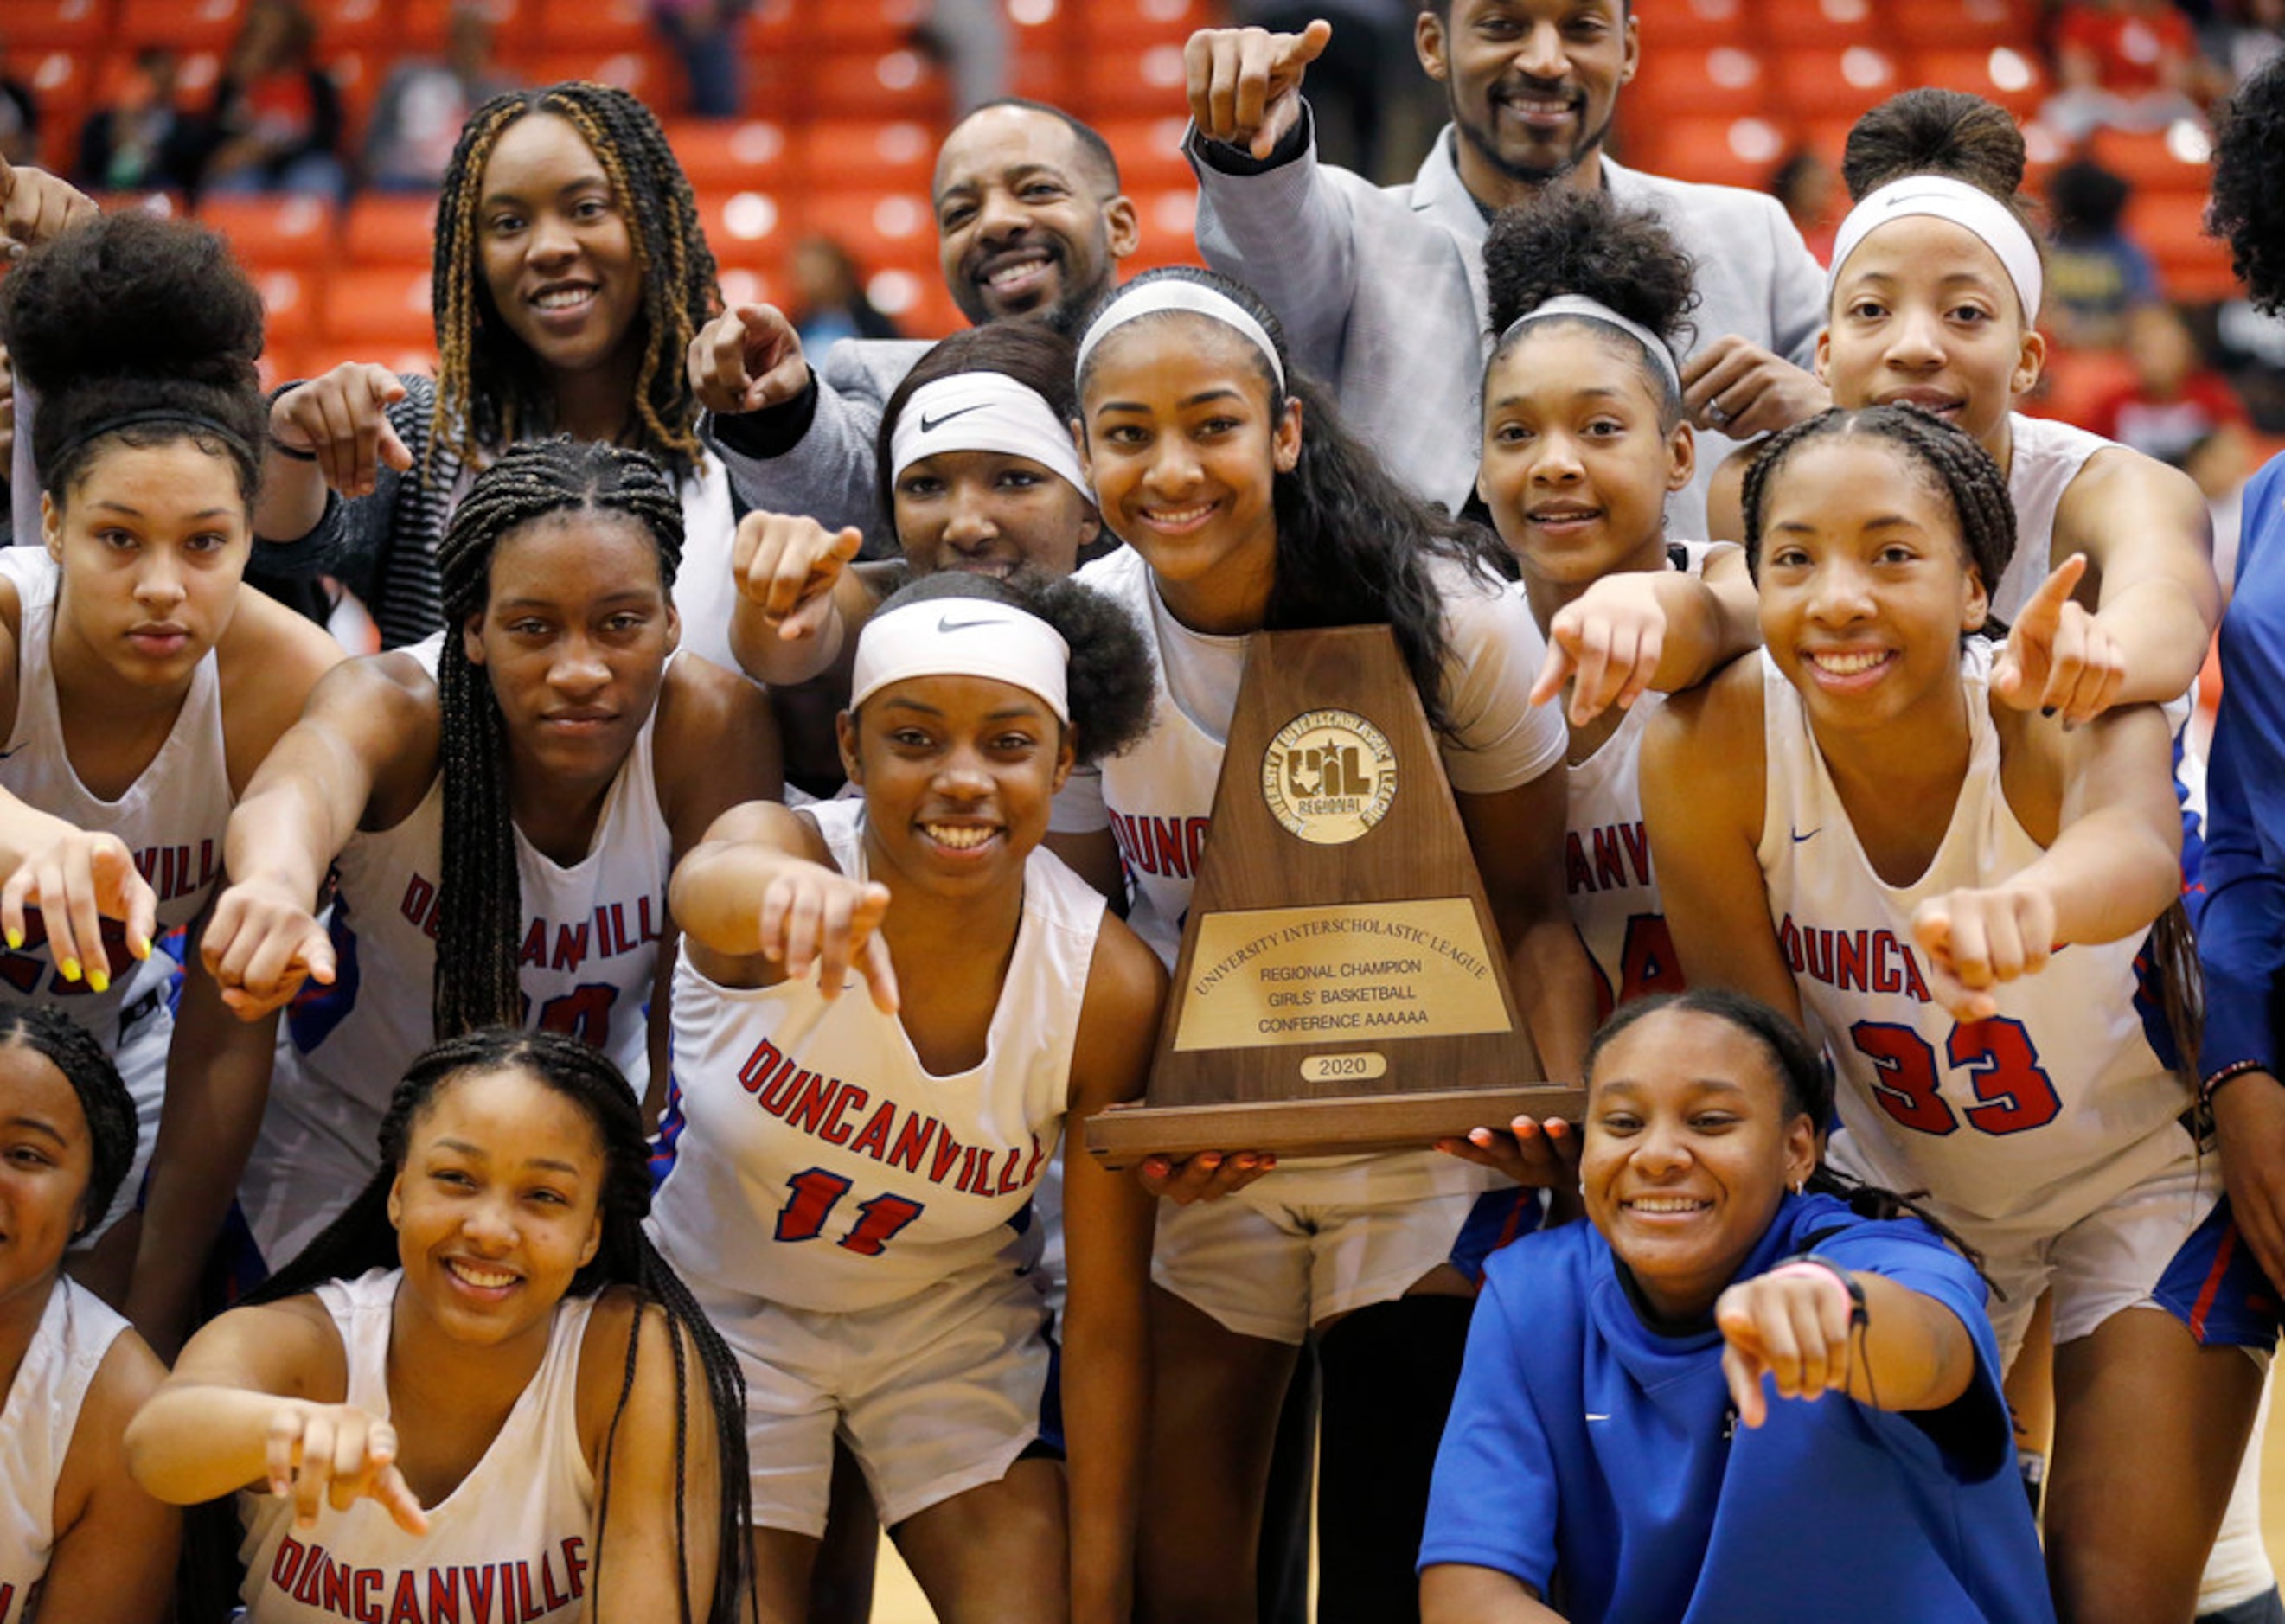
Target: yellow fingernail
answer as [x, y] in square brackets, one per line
[70, 967]
[100, 982]
[15, 939]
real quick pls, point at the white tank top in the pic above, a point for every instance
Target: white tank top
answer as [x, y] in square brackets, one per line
[1607, 871]
[171, 818]
[2047, 455]
[76, 1331]
[812, 1158]
[590, 940]
[2032, 1118]
[511, 1541]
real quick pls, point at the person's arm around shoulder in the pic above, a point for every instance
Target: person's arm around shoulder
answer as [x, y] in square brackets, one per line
[665, 1468]
[1650, 630]
[361, 755]
[760, 901]
[2148, 542]
[1108, 1219]
[1704, 760]
[114, 1549]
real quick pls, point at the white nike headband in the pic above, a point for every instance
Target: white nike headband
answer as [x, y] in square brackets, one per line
[1940, 197]
[1191, 298]
[982, 411]
[1581, 308]
[963, 636]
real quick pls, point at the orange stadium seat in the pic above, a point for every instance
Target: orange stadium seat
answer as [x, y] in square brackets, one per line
[390, 229]
[603, 27]
[2175, 159]
[63, 87]
[344, 25]
[289, 306]
[746, 228]
[1112, 85]
[1043, 75]
[1041, 25]
[917, 300]
[880, 229]
[267, 233]
[1671, 25]
[886, 154]
[647, 71]
[422, 25]
[1835, 24]
[1727, 79]
[1960, 24]
[1148, 150]
[1826, 83]
[861, 24]
[2192, 266]
[182, 25]
[56, 25]
[1169, 219]
[1140, 23]
[408, 357]
[378, 308]
[721, 156]
[2011, 76]
[891, 84]
[1725, 151]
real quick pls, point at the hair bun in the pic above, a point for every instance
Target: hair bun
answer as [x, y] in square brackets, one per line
[1569, 241]
[1931, 131]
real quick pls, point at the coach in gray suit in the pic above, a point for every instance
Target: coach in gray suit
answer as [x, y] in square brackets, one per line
[1030, 222]
[1382, 291]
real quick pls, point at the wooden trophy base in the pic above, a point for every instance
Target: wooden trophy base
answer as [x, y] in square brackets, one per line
[1358, 1124]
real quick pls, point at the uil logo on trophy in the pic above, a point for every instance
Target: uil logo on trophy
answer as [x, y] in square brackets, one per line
[1328, 776]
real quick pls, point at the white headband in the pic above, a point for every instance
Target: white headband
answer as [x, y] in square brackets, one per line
[1594, 310]
[963, 636]
[982, 411]
[1970, 207]
[1179, 294]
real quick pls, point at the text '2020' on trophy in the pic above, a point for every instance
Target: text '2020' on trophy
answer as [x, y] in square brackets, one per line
[1340, 986]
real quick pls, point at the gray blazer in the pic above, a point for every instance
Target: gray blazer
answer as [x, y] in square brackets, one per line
[827, 473]
[1381, 293]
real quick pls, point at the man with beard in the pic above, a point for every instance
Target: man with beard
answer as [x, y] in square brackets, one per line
[1030, 223]
[1382, 291]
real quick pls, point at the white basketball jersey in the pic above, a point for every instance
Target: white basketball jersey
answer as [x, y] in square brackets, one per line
[2033, 1117]
[171, 818]
[76, 1331]
[511, 1541]
[812, 1161]
[1607, 871]
[590, 950]
[2047, 454]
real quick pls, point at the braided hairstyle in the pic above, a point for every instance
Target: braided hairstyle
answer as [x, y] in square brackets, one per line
[1947, 458]
[491, 391]
[1353, 546]
[1109, 681]
[103, 1098]
[135, 314]
[1805, 1078]
[362, 1238]
[1570, 242]
[477, 983]
[2248, 210]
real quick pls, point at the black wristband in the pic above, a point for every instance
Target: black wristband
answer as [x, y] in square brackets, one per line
[289, 453]
[1858, 1317]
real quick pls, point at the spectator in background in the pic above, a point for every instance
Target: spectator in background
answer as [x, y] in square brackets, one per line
[19, 120]
[2243, 36]
[2127, 63]
[275, 124]
[1809, 188]
[968, 38]
[829, 301]
[422, 106]
[140, 141]
[704, 37]
[2097, 275]
[2182, 411]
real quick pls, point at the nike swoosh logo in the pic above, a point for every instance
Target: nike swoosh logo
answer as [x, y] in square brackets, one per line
[1798, 837]
[1591, 1416]
[929, 425]
[944, 625]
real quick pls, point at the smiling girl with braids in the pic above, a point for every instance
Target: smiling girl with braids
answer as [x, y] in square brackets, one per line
[1857, 828]
[570, 275]
[500, 807]
[480, 1373]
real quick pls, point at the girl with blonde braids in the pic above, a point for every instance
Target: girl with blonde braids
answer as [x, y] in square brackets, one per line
[570, 275]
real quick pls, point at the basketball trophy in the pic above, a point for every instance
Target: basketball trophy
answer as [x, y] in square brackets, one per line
[1342, 986]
